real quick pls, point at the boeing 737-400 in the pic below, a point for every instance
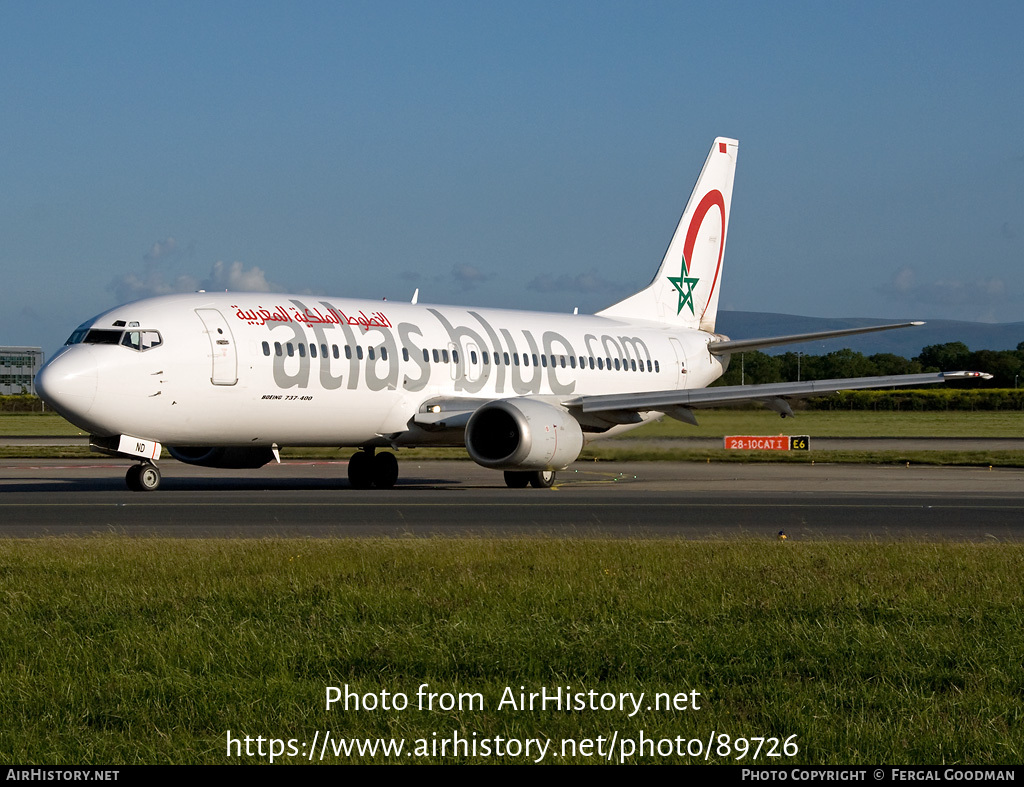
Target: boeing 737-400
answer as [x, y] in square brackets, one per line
[226, 380]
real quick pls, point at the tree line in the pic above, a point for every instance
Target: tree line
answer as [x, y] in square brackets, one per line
[755, 367]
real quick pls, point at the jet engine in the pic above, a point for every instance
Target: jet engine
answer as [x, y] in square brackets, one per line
[228, 458]
[523, 434]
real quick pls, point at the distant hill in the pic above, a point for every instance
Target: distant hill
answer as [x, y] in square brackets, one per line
[905, 341]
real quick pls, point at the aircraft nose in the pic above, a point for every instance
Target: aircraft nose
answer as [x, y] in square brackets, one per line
[67, 382]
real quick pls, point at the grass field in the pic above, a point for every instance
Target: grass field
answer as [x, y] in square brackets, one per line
[842, 423]
[36, 425]
[661, 434]
[716, 423]
[146, 651]
[149, 651]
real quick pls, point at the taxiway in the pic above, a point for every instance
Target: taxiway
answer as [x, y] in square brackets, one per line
[642, 499]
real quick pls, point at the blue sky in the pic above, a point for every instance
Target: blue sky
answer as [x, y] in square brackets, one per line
[515, 154]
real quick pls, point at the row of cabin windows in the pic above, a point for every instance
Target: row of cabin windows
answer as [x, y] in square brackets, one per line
[291, 350]
[444, 356]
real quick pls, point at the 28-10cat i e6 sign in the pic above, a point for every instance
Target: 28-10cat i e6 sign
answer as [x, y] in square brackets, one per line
[770, 443]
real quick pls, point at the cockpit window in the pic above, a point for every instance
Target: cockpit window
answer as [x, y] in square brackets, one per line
[100, 336]
[77, 336]
[136, 340]
[141, 340]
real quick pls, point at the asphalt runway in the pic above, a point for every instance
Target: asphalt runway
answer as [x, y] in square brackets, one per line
[648, 499]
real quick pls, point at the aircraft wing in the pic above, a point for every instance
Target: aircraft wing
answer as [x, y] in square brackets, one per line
[726, 346]
[774, 395]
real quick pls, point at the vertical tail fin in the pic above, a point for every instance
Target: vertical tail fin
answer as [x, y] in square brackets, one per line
[685, 290]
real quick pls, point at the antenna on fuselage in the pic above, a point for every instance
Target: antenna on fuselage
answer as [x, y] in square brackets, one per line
[416, 295]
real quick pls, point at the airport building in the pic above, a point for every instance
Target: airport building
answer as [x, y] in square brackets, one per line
[18, 367]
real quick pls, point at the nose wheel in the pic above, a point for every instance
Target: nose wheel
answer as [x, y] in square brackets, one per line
[143, 478]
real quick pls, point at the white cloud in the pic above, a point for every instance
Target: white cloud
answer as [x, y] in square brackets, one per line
[162, 249]
[152, 281]
[970, 299]
[236, 277]
[468, 277]
[582, 283]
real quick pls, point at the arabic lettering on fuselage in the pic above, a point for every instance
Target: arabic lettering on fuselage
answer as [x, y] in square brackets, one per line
[262, 316]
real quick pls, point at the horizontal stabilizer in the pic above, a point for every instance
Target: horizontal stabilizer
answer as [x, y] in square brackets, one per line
[727, 346]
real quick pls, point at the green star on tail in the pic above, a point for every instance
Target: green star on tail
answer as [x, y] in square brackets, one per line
[684, 285]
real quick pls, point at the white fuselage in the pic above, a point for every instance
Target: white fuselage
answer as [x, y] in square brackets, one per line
[252, 369]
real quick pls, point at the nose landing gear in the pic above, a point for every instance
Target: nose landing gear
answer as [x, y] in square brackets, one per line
[143, 477]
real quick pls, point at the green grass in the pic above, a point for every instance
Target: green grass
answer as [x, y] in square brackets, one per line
[841, 423]
[713, 423]
[147, 651]
[716, 423]
[36, 425]
[662, 453]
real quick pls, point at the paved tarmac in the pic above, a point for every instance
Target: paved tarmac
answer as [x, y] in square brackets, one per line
[650, 499]
[816, 443]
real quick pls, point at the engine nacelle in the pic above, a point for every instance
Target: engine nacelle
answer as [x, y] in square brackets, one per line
[228, 458]
[523, 434]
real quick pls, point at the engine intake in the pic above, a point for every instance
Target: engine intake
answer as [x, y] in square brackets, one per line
[523, 434]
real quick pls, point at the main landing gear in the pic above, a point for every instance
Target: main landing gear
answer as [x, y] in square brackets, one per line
[143, 477]
[538, 479]
[366, 469]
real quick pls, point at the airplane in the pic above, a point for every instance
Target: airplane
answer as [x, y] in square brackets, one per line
[227, 379]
